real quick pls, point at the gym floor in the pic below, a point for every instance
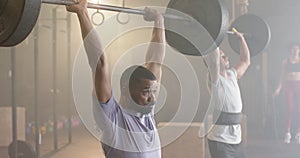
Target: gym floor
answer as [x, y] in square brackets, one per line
[259, 145]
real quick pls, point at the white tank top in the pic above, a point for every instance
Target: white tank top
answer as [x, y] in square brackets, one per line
[226, 97]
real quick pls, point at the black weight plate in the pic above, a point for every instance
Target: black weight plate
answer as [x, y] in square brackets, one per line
[25, 150]
[9, 18]
[17, 20]
[203, 32]
[256, 32]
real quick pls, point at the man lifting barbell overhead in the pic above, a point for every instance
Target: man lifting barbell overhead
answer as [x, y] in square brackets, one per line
[200, 35]
[225, 137]
[128, 126]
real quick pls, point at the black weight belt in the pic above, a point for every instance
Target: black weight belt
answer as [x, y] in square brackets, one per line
[226, 118]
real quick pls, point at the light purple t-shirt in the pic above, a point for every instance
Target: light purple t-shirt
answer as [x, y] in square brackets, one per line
[126, 134]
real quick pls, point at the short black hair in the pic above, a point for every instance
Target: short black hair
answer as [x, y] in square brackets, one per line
[132, 76]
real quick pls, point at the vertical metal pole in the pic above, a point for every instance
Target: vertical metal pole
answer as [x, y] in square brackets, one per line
[69, 76]
[233, 11]
[54, 78]
[36, 81]
[265, 104]
[14, 107]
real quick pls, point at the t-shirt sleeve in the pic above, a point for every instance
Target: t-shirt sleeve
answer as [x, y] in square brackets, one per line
[107, 107]
[104, 112]
[233, 72]
[216, 83]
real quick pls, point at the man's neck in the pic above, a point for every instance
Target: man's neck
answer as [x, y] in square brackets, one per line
[223, 72]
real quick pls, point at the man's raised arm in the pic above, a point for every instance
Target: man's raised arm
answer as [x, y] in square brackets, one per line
[94, 51]
[156, 51]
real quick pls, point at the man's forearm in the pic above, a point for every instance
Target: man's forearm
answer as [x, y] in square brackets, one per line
[244, 51]
[91, 39]
[156, 50]
[213, 63]
[159, 30]
[85, 23]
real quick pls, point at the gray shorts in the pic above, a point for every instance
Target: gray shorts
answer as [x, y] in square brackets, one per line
[224, 150]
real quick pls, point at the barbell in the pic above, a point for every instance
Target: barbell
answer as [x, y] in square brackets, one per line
[193, 27]
[192, 39]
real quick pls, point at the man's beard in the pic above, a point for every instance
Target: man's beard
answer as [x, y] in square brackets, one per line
[143, 109]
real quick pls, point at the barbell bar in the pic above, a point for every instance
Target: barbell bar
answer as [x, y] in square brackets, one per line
[18, 17]
[193, 27]
[110, 8]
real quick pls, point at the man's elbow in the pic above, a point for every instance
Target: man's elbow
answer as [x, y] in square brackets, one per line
[248, 63]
